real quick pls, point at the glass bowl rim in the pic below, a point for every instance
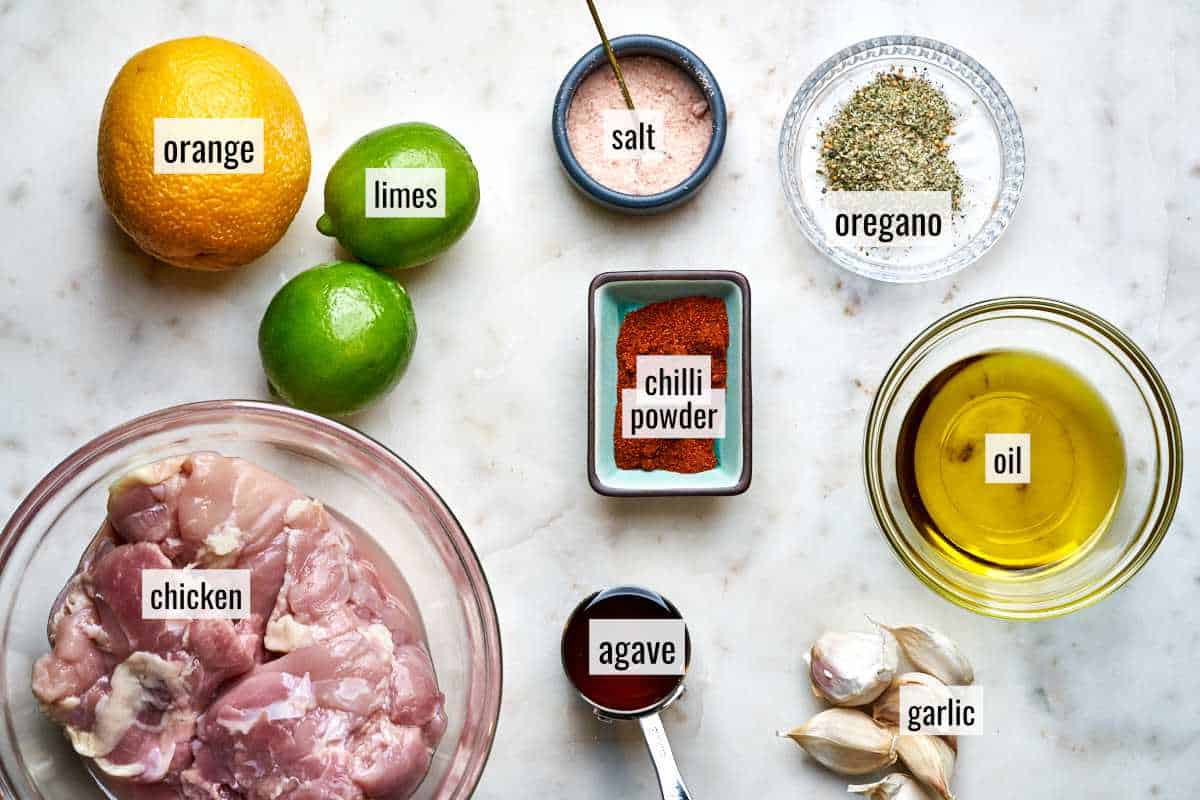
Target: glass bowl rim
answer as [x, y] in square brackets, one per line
[1164, 405]
[1003, 114]
[187, 413]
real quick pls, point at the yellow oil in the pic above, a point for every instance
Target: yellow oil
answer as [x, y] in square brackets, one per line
[1076, 462]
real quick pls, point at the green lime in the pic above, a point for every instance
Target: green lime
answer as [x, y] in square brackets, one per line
[337, 337]
[389, 241]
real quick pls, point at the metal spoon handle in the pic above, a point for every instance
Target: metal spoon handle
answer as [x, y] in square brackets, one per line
[669, 779]
[612, 57]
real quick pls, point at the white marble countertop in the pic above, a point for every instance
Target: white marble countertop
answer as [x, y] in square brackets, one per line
[1102, 704]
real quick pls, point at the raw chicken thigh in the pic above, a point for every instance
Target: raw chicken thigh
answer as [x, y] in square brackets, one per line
[326, 690]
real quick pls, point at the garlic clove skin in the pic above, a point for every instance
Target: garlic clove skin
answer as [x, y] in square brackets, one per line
[896, 786]
[930, 759]
[932, 691]
[846, 741]
[934, 652]
[853, 669]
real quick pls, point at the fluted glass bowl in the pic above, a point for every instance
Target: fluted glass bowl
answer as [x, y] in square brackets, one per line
[987, 145]
[1141, 406]
[346, 470]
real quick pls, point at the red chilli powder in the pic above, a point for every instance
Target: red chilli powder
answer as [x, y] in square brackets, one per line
[688, 326]
[655, 84]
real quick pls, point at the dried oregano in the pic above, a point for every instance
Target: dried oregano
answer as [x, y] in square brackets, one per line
[891, 136]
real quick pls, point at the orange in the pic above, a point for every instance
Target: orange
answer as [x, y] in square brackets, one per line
[204, 222]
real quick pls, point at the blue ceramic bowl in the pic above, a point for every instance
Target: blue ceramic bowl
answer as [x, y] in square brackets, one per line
[613, 295]
[639, 45]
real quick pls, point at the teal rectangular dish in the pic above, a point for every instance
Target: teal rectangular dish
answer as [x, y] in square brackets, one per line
[613, 295]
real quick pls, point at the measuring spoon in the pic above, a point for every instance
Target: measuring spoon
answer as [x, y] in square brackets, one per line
[627, 697]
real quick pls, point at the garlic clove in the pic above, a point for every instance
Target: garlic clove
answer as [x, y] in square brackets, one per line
[852, 669]
[930, 759]
[934, 652]
[846, 741]
[896, 786]
[931, 692]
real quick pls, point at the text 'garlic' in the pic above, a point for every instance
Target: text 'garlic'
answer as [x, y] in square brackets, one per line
[896, 786]
[928, 691]
[852, 669]
[934, 652]
[930, 759]
[846, 741]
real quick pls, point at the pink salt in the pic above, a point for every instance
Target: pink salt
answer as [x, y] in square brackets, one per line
[655, 85]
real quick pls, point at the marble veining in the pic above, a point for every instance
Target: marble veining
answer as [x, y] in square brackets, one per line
[492, 411]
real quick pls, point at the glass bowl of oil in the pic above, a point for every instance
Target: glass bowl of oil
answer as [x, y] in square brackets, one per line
[1023, 457]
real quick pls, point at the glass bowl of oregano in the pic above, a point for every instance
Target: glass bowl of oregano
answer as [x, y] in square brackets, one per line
[902, 159]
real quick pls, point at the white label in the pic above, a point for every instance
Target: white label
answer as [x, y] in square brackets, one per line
[673, 381]
[688, 421]
[924, 711]
[636, 134]
[1007, 458]
[636, 646]
[889, 219]
[208, 146]
[195, 593]
[405, 192]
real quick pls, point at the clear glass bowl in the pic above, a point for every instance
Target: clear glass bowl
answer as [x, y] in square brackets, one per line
[1140, 404]
[987, 146]
[350, 472]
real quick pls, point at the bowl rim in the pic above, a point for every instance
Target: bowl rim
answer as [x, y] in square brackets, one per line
[191, 413]
[682, 57]
[873, 471]
[999, 106]
[651, 275]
